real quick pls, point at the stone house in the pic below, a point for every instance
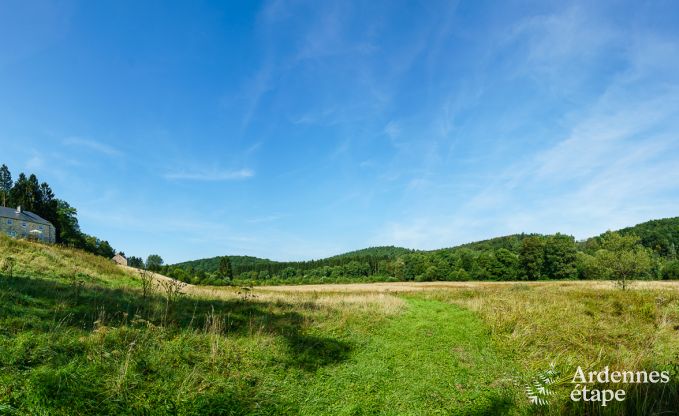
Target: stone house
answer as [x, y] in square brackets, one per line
[118, 259]
[24, 224]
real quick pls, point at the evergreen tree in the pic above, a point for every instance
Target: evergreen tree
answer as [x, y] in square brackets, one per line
[17, 195]
[5, 184]
[33, 194]
[26, 192]
[225, 271]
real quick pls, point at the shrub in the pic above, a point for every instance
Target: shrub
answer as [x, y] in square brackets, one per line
[671, 270]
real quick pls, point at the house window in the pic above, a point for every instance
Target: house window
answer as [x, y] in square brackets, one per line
[13, 233]
[41, 228]
[9, 222]
[23, 224]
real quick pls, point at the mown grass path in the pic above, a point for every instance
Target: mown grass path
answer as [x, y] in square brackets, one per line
[435, 358]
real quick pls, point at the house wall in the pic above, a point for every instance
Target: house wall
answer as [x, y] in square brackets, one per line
[16, 228]
[119, 260]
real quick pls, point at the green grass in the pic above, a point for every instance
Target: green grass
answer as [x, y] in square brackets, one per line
[435, 358]
[100, 347]
[110, 352]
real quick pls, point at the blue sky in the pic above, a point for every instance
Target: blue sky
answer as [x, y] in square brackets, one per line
[296, 130]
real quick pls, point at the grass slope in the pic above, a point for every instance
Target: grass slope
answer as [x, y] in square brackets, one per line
[61, 263]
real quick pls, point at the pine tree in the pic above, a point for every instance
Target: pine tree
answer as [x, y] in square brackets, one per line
[18, 193]
[5, 184]
[225, 269]
[33, 195]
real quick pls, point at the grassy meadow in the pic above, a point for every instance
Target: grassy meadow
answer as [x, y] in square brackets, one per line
[79, 336]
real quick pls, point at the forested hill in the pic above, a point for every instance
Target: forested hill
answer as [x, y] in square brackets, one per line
[238, 263]
[650, 245]
[662, 235]
[242, 264]
[509, 242]
[382, 252]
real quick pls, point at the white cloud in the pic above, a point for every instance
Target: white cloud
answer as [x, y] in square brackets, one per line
[392, 130]
[35, 163]
[92, 145]
[265, 219]
[560, 47]
[210, 175]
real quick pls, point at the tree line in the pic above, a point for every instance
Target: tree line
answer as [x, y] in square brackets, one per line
[646, 251]
[38, 197]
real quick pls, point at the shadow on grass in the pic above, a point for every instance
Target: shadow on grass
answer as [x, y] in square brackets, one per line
[500, 403]
[50, 371]
[40, 305]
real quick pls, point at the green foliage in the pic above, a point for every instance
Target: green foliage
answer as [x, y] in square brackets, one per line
[671, 270]
[225, 270]
[661, 236]
[589, 268]
[154, 262]
[532, 257]
[136, 262]
[623, 258]
[509, 242]
[508, 264]
[6, 184]
[560, 257]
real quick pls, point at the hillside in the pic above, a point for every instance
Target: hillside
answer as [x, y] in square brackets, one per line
[54, 262]
[501, 258]
[239, 263]
[509, 242]
[244, 264]
[661, 235]
[381, 252]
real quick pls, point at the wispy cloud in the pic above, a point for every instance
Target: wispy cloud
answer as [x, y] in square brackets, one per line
[392, 130]
[606, 163]
[561, 47]
[93, 146]
[210, 175]
[35, 163]
[265, 219]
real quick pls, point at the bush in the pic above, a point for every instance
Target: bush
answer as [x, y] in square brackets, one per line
[671, 270]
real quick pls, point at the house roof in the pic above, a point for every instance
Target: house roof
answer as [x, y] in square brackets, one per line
[6, 212]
